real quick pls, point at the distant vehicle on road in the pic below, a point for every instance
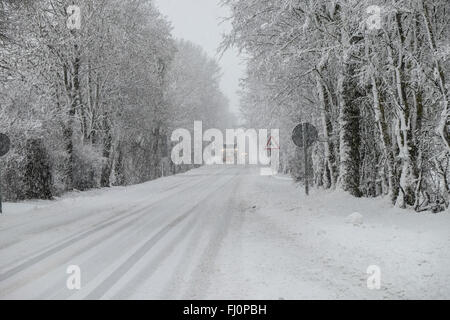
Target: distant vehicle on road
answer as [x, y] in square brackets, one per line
[229, 152]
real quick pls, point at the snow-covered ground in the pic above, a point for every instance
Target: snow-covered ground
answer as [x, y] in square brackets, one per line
[221, 233]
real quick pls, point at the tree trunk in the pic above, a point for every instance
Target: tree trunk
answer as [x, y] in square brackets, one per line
[386, 144]
[408, 177]
[107, 154]
[68, 129]
[330, 163]
[349, 125]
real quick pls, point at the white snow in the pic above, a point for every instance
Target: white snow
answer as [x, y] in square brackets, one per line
[221, 233]
[355, 218]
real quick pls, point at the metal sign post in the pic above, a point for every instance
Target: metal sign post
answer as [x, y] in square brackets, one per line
[5, 144]
[305, 159]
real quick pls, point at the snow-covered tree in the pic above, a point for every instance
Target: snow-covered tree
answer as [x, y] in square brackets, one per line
[377, 93]
[102, 98]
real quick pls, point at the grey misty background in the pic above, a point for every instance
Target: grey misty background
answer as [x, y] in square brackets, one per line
[95, 107]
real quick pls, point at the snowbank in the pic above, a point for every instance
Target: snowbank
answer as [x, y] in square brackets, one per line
[355, 219]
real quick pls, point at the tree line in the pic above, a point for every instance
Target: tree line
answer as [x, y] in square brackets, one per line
[371, 75]
[95, 106]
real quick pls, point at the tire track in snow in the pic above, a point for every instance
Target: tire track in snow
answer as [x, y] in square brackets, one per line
[199, 283]
[142, 225]
[76, 219]
[154, 264]
[93, 244]
[148, 271]
[74, 239]
[113, 278]
[191, 260]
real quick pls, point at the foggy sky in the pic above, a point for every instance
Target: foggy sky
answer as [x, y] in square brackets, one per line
[200, 22]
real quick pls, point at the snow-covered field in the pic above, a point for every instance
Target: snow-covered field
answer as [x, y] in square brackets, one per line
[221, 233]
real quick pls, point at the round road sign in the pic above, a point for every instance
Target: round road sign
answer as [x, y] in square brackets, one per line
[311, 135]
[5, 144]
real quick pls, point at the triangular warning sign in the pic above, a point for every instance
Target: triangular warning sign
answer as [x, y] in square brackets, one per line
[272, 144]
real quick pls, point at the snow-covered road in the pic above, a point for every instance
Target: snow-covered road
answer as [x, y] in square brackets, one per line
[220, 233]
